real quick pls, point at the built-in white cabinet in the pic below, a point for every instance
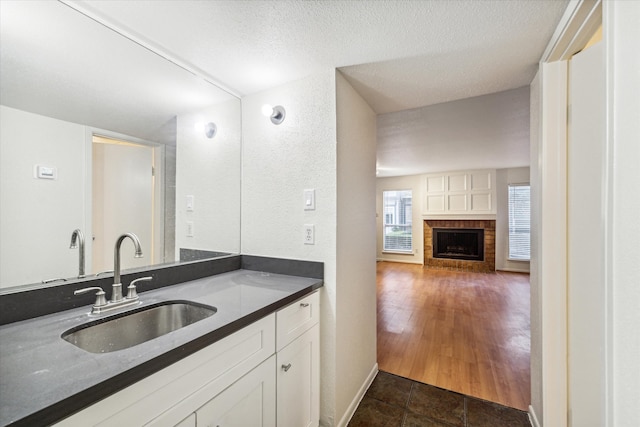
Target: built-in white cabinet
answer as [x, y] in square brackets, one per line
[250, 401]
[460, 193]
[298, 361]
[264, 375]
[298, 381]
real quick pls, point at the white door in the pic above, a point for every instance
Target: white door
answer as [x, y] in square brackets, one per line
[122, 203]
[585, 237]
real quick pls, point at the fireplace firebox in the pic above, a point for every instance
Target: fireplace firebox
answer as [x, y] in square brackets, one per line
[459, 243]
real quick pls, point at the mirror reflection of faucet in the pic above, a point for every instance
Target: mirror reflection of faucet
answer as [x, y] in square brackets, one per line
[117, 300]
[77, 241]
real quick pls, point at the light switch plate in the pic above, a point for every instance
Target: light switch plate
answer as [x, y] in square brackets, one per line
[190, 202]
[310, 200]
[45, 172]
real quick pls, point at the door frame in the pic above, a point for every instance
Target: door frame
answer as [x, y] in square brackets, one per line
[550, 306]
[159, 188]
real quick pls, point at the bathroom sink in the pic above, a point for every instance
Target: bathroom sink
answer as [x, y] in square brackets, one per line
[137, 326]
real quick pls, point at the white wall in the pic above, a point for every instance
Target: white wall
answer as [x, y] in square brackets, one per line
[356, 355]
[31, 249]
[209, 170]
[409, 182]
[279, 163]
[504, 177]
[622, 37]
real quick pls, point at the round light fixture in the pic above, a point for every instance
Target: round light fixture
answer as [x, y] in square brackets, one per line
[276, 114]
[210, 130]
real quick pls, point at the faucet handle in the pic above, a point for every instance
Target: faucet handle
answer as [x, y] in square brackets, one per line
[101, 299]
[131, 289]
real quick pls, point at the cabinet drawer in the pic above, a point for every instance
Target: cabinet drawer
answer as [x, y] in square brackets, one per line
[296, 318]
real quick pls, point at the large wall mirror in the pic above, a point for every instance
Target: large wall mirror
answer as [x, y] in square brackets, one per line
[102, 135]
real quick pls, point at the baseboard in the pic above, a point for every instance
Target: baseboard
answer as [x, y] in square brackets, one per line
[356, 400]
[532, 417]
[400, 261]
[513, 270]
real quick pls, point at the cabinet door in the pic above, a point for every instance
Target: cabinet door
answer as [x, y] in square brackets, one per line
[250, 401]
[299, 381]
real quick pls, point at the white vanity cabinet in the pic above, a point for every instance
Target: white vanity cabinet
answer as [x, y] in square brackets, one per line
[236, 382]
[298, 361]
[250, 401]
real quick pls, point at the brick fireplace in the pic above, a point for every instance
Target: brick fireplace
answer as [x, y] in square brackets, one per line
[487, 265]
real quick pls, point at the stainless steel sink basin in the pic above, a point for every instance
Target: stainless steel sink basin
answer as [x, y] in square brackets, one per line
[137, 326]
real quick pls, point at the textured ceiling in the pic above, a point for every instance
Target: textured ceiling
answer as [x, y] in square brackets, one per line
[397, 54]
[488, 131]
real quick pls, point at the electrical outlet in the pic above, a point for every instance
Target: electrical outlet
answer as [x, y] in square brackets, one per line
[309, 234]
[189, 228]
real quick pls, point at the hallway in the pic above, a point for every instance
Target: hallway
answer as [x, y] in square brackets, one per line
[464, 332]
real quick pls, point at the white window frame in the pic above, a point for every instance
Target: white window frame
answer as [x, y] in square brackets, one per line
[514, 223]
[392, 211]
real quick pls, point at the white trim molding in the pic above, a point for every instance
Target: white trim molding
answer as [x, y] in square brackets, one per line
[580, 21]
[358, 397]
[533, 419]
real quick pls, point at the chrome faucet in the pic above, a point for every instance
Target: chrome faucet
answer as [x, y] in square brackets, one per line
[78, 236]
[116, 295]
[117, 300]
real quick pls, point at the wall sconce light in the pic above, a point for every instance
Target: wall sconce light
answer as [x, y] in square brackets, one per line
[210, 129]
[276, 114]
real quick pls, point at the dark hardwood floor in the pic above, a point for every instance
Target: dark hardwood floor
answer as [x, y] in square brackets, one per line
[465, 332]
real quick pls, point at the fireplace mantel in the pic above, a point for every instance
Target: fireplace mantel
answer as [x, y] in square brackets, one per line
[461, 217]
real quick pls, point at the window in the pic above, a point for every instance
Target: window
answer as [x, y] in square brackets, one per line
[397, 221]
[519, 222]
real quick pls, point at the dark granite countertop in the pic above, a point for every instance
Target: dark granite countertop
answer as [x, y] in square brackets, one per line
[44, 378]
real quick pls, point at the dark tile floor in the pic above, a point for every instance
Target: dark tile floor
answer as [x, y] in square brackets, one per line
[396, 401]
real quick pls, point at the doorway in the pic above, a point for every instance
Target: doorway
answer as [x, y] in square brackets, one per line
[461, 331]
[126, 198]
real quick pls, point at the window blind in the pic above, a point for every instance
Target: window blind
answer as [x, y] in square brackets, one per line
[397, 221]
[519, 222]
